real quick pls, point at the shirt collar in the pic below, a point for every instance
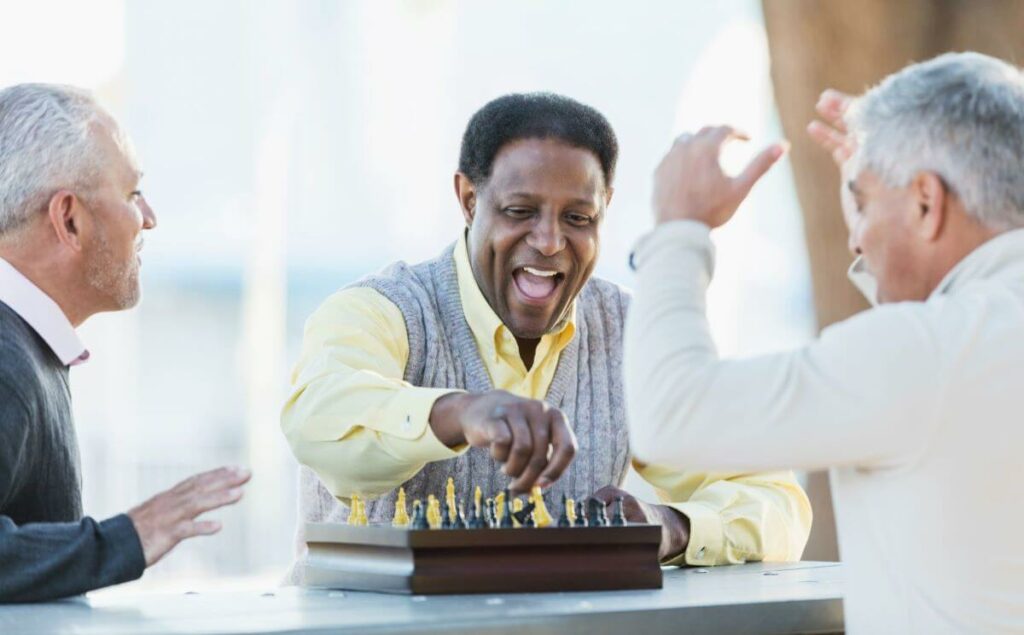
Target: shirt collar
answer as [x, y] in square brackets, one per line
[998, 256]
[42, 314]
[483, 321]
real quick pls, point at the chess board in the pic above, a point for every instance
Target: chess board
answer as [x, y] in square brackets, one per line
[520, 560]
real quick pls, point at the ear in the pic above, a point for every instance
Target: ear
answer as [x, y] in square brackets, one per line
[932, 201]
[465, 191]
[68, 219]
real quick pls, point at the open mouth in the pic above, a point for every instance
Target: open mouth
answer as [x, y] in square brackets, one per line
[537, 285]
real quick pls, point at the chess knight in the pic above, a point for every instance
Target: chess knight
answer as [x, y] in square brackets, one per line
[499, 362]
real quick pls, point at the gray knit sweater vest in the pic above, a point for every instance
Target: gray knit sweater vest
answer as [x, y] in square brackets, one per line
[587, 388]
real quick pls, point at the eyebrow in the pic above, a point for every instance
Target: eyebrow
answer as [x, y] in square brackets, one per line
[574, 201]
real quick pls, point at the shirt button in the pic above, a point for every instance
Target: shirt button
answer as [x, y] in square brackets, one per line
[407, 424]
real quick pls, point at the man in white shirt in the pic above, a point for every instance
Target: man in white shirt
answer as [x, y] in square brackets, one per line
[917, 403]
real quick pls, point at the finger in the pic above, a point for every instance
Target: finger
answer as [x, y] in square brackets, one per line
[720, 134]
[607, 494]
[214, 479]
[832, 106]
[214, 500]
[540, 430]
[522, 442]
[204, 528]
[757, 167]
[828, 137]
[563, 449]
[499, 437]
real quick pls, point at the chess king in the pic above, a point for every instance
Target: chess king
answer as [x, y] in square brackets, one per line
[499, 362]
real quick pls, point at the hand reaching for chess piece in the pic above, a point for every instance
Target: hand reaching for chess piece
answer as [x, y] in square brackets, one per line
[675, 527]
[530, 437]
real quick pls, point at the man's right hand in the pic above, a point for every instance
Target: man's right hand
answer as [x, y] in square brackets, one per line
[170, 517]
[530, 437]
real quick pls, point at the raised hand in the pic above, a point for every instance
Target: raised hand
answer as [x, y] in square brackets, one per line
[830, 132]
[690, 184]
[529, 436]
[675, 528]
[170, 517]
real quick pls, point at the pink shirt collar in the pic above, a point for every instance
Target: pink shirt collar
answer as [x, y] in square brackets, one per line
[42, 314]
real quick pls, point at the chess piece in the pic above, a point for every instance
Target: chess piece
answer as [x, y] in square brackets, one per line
[492, 514]
[362, 513]
[419, 516]
[499, 506]
[505, 520]
[401, 518]
[570, 510]
[353, 510]
[619, 518]
[524, 515]
[460, 521]
[563, 518]
[446, 516]
[449, 497]
[478, 498]
[597, 515]
[433, 512]
[541, 515]
[581, 518]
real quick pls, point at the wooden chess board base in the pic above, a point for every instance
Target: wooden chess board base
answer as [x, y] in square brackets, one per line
[435, 561]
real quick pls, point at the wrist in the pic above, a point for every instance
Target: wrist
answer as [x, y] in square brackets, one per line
[446, 421]
[676, 531]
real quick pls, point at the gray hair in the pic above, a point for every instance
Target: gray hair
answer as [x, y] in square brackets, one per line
[959, 115]
[45, 146]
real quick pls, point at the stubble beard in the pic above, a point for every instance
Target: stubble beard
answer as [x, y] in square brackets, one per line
[117, 281]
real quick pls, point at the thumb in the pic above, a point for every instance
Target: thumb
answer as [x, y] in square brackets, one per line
[758, 166]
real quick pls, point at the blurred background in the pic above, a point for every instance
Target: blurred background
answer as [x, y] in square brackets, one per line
[293, 146]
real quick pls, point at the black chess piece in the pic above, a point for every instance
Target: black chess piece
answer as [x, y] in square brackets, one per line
[619, 518]
[506, 516]
[491, 514]
[596, 516]
[419, 516]
[446, 519]
[525, 515]
[472, 521]
[563, 519]
[581, 517]
[459, 522]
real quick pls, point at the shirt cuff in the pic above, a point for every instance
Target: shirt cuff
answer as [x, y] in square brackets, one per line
[119, 532]
[707, 535]
[412, 439]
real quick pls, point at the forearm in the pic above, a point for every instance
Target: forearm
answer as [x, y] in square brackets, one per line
[819, 406]
[47, 561]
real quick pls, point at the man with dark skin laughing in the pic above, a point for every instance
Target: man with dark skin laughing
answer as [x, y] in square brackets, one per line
[499, 363]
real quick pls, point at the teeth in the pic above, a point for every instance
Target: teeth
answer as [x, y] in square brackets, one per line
[538, 272]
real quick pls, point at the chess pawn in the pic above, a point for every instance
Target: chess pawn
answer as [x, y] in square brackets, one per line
[499, 506]
[363, 520]
[478, 497]
[419, 516]
[433, 512]
[446, 518]
[563, 518]
[596, 515]
[619, 518]
[401, 518]
[459, 522]
[492, 514]
[570, 510]
[353, 510]
[541, 515]
[581, 518]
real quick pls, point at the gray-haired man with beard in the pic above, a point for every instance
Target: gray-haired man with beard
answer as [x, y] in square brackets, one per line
[71, 222]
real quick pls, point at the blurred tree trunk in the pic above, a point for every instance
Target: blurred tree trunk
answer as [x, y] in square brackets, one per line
[816, 44]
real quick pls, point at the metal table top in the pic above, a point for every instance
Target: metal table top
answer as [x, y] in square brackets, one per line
[804, 597]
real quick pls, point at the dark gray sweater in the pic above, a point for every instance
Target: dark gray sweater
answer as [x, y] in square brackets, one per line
[47, 549]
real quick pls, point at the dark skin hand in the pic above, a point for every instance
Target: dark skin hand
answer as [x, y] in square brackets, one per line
[530, 437]
[675, 527]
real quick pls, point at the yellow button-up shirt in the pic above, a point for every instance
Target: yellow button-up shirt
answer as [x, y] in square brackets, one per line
[363, 429]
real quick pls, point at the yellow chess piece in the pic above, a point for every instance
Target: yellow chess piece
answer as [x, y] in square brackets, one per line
[541, 516]
[362, 513]
[433, 512]
[478, 501]
[401, 518]
[570, 510]
[449, 497]
[353, 510]
[499, 506]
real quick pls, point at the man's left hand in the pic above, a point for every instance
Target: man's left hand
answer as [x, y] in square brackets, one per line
[675, 527]
[690, 184]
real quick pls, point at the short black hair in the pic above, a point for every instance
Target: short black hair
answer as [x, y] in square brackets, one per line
[535, 116]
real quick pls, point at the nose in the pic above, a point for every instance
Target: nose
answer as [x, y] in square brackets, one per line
[546, 236]
[148, 215]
